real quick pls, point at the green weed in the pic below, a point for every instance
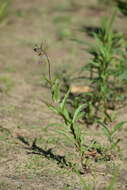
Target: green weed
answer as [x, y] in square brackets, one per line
[4, 133]
[6, 83]
[71, 130]
[4, 6]
[110, 134]
[63, 30]
[9, 69]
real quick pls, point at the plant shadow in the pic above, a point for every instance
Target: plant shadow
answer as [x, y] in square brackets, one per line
[122, 6]
[34, 149]
[90, 30]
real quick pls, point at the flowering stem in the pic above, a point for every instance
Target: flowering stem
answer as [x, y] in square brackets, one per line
[49, 66]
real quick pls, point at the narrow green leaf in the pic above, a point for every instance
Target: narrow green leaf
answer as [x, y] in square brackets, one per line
[117, 127]
[47, 80]
[105, 130]
[62, 105]
[56, 91]
[64, 133]
[51, 107]
[77, 132]
[115, 144]
[94, 64]
[82, 139]
[78, 114]
[65, 113]
[55, 125]
[111, 21]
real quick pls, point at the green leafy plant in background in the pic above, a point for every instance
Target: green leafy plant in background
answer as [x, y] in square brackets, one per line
[4, 6]
[107, 70]
[111, 134]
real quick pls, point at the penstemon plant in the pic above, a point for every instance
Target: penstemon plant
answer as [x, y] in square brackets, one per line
[72, 129]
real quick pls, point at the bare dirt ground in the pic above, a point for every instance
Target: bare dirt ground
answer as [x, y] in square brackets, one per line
[23, 115]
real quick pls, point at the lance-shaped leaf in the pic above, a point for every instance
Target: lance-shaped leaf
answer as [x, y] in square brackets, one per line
[56, 91]
[105, 130]
[66, 115]
[51, 107]
[64, 133]
[117, 127]
[78, 113]
[62, 105]
[115, 144]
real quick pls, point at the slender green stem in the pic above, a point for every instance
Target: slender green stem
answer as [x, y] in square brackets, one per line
[49, 66]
